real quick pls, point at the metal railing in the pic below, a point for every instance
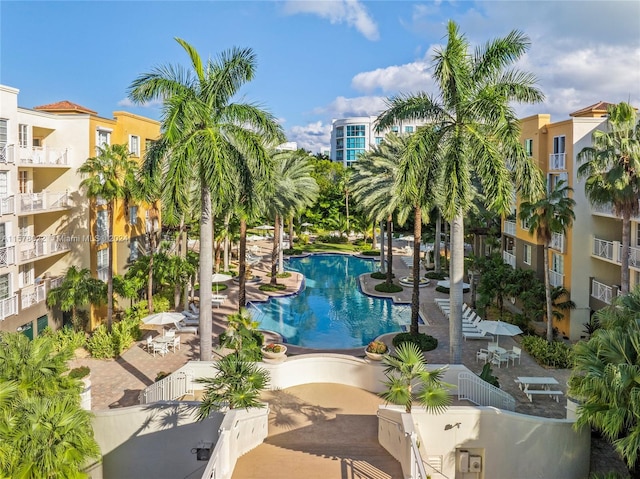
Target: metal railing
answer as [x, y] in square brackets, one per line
[174, 386]
[557, 242]
[557, 161]
[480, 392]
[417, 465]
[8, 205]
[8, 307]
[509, 258]
[41, 247]
[7, 256]
[55, 282]
[44, 155]
[556, 279]
[634, 256]
[32, 295]
[509, 227]
[601, 291]
[603, 249]
[43, 201]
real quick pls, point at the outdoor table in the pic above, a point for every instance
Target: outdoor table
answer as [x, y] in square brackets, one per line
[527, 381]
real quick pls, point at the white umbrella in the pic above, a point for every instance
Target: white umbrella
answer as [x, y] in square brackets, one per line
[161, 319]
[499, 328]
[306, 224]
[408, 239]
[219, 278]
[264, 227]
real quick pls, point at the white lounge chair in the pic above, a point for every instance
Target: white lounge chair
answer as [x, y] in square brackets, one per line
[185, 329]
[474, 335]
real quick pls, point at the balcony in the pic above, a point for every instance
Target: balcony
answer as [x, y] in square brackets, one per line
[601, 291]
[7, 205]
[557, 161]
[43, 156]
[42, 247]
[8, 307]
[32, 295]
[6, 154]
[509, 227]
[556, 279]
[509, 258]
[7, 256]
[607, 210]
[604, 249]
[55, 282]
[557, 242]
[29, 203]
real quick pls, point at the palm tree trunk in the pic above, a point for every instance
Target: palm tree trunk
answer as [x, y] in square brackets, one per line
[242, 265]
[227, 218]
[346, 204]
[274, 252]
[624, 261]
[456, 273]
[383, 266]
[389, 251]
[110, 266]
[415, 294]
[206, 269]
[436, 244]
[374, 243]
[150, 277]
[446, 243]
[184, 246]
[291, 232]
[547, 292]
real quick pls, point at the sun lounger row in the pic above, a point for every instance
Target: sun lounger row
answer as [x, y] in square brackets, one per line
[470, 320]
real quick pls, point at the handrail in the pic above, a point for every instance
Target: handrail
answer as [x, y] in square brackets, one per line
[174, 386]
[480, 392]
[416, 458]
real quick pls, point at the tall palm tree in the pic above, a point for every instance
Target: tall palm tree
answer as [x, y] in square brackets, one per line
[477, 134]
[77, 289]
[206, 134]
[552, 213]
[109, 176]
[611, 167]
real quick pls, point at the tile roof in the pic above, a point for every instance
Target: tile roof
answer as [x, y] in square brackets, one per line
[598, 109]
[64, 106]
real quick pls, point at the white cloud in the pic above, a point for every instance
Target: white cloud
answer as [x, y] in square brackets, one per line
[351, 12]
[343, 107]
[126, 102]
[406, 78]
[312, 136]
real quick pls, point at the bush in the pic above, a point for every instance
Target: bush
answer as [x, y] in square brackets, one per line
[433, 275]
[100, 344]
[487, 375]
[379, 275]
[161, 375]
[217, 287]
[371, 252]
[161, 303]
[291, 252]
[269, 287]
[423, 341]
[388, 288]
[442, 289]
[286, 274]
[137, 311]
[79, 372]
[66, 338]
[332, 239]
[555, 354]
[108, 345]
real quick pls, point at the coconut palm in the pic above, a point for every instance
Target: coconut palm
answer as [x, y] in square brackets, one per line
[549, 215]
[409, 380]
[611, 167]
[477, 135]
[606, 378]
[207, 136]
[77, 289]
[109, 176]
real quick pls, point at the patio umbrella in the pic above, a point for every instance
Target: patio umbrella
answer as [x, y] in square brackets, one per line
[306, 224]
[499, 328]
[219, 278]
[264, 227]
[160, 319]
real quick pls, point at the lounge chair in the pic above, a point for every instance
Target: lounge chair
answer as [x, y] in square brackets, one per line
[185, 329]
[474, 335]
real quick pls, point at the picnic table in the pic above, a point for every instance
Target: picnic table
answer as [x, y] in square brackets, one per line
[543, 384]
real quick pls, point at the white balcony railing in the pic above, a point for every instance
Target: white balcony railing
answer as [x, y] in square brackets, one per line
[557, 161]
[603, 249]
[43, 201]
[7, 256]
[509, 258]
[55, 282]
[634, 256]
[41, 247]
[509, 227]
[557, 242]
[32, 295]
[6, 154]
[601, 291]
[44, 156]
[474, 389]
[8, 205]
[556, 279]
[8, 307]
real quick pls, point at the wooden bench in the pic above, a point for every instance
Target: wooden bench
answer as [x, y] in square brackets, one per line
[554, 394]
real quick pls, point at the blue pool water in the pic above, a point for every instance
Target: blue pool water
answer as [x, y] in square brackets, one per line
[331, 312]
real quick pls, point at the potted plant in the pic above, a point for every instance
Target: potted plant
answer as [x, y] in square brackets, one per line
[83, 373]
[375, 350]
[274, 351]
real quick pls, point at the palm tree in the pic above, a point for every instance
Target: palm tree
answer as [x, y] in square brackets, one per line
[606, 378]
[477, 134]
[77, 289]
[110, 176]
[207, 136]
[549, 215]
[611, 168]
[409, 380]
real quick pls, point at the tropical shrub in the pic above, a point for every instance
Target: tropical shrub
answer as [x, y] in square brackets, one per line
[487, 375]
[555, 354]
[242, 336]
[370, 252]
[332, 239]
[388, 288]
[162, 301]
[435, 275]
[137, 311]
[377, 347]
[79, 372]
[66, 338]
[379, 275]
[423, 341]
[100, 344]
[442, 289]
[291, 252]
[272, 287]
[106, 345]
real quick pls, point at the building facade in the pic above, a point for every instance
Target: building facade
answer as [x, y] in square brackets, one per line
[47, 224]
[351, 137]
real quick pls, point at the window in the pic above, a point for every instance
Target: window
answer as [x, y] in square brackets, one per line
[101, 227]
[3, 240]
[408, 129]
[528, 147]
[357, 142]
[3, 140]
[23, 228]
[378, 140]
[23, 136]
[352, 155]
[25, 272]
[557, 263]
[103, 264]
[134, 145]
[103, 137]
[526, 254]
[339, 155]
[5, 286]
[133, 250]
[558, 144]
[339, 131]
[395, 128]
[340, 143]
[133, 215]
[525, 223]
[355, 130]
[23, 181]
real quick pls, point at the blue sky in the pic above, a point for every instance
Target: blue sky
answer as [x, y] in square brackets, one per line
[317, 60]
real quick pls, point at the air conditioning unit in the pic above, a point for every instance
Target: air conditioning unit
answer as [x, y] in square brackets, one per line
[475, 463]
[463, 461]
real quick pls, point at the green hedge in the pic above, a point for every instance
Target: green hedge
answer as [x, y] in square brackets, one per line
[433, 275]
[388, 288]
[442, 289]
[379, 275]
[423, 341]
[105, 345]
[370, 252]
[270, 287]
[556, 354]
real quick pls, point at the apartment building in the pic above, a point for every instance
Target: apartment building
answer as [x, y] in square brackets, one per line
[351, 137]
[46, 222]
[583, 261]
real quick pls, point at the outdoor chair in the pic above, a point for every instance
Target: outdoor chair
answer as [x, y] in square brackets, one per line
[483, 354]
[158, 348]
[148, 345]
[194, 309]
[499, 358]
[514, 354]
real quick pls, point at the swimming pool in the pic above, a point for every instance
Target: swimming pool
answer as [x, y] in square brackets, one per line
[331, 312]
